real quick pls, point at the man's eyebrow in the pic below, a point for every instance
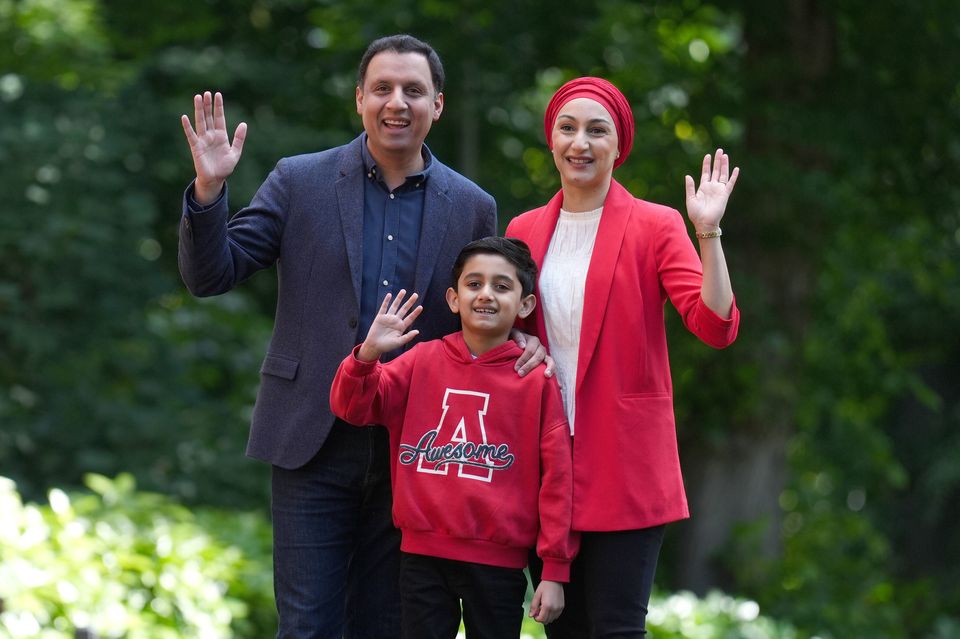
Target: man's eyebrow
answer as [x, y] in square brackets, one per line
[392, 81]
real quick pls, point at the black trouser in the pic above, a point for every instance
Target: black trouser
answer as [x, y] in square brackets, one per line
[610, 584]
[431, 590]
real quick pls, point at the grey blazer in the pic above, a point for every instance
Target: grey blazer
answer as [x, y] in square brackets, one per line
[307, 217]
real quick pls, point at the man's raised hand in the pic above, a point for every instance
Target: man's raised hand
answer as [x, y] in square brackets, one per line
[214, 157]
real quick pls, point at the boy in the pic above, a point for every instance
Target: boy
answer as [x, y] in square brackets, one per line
[480, 461]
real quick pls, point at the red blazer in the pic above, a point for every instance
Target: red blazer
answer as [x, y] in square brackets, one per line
[626, 465]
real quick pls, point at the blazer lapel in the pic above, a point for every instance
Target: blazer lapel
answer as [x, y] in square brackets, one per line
[539, 241]
[437, 214]
[603, 264]
[349, 187]
[543, 227]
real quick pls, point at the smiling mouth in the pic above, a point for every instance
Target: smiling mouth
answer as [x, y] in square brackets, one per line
[485, 311]
[396, 124]
[579, 161]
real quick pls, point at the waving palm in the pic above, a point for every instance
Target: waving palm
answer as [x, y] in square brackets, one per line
[214, 157]
[706, 204]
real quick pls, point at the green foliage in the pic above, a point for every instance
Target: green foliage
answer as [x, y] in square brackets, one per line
[821, 523]
[683, 615]
[842, 237]
[130, 564]
[133, 564]
[866, 294]
[105, 364]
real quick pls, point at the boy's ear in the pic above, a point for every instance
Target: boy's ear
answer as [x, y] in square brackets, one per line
[452, 301]
[527, 305]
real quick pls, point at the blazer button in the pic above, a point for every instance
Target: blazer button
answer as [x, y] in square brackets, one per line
[353, 322]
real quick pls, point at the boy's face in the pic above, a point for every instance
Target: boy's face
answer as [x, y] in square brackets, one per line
[489, 296]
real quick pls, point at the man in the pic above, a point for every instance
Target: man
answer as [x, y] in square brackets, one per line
[345, 226]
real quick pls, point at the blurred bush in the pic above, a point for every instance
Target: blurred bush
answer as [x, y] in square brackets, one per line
[138, 565]
[683, 615]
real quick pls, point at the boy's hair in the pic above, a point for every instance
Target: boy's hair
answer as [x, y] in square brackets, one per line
[403, 43]
[511, 249]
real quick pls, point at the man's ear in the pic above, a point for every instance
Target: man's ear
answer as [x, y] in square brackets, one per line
[437, 106]
[359, 100]
[452, 299]
[527, 305]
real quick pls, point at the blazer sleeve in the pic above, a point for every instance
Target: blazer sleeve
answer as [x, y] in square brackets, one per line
[681, 276]
[372, 392]
[557, 544]
[216, 254]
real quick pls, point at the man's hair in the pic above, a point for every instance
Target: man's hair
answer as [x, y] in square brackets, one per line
[511, 249]
[403, 43]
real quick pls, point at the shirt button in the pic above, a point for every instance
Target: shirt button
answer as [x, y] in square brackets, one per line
[390, 237]
[386, 283]
[353, 322]
[392, 196]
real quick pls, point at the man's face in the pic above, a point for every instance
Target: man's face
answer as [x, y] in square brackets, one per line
[397, 103]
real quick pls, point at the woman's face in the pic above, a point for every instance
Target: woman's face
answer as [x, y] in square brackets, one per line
[584, 144]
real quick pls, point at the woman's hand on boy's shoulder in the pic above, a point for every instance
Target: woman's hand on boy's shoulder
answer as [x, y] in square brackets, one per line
[534, 352]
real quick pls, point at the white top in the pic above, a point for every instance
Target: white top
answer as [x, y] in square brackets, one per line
[562, 282]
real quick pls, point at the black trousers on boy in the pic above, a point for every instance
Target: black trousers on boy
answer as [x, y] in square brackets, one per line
[431, 590]
[610, 584]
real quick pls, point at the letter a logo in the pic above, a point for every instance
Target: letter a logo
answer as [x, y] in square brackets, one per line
[461, 431]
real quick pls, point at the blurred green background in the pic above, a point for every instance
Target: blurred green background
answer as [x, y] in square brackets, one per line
[821, 451]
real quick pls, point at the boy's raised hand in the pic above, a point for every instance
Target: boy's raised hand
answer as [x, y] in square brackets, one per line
[547, 602]
[389, 328]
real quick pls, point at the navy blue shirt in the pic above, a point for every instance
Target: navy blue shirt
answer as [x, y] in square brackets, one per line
[391, 236]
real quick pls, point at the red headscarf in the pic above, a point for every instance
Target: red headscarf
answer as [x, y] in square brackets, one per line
[608, 96]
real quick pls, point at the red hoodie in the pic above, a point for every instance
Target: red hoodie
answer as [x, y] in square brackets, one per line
[481, 461]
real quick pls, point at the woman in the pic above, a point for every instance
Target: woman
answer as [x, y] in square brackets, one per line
[608, 262]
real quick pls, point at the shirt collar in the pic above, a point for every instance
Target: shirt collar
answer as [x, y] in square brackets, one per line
[370, 165]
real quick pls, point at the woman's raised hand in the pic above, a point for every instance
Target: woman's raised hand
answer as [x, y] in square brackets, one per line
[214, 157]
[706, 204]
